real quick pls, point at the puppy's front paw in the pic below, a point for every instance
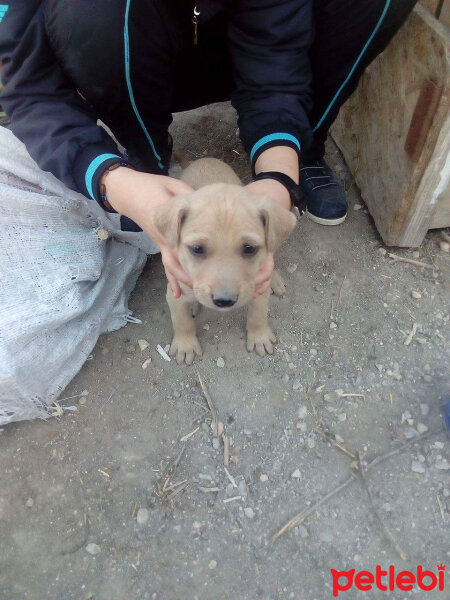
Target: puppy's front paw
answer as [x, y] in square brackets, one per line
[184, 349]
[277, 284]
[261, 340]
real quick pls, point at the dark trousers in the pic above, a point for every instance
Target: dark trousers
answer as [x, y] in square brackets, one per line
[349, 34]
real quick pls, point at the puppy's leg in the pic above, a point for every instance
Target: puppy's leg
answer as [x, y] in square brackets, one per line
[185, 344]
[277, 284]
[259, 334]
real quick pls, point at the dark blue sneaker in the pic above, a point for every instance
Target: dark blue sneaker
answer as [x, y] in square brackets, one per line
[326, 200]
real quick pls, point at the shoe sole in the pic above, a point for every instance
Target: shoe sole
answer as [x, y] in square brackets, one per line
[321, 221]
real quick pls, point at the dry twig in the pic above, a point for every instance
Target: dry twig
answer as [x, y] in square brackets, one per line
[411, 335]
[403, 555]
[216, 425]
[302, 515]
[410, 261]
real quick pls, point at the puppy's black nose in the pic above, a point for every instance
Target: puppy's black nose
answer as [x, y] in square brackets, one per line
[225, 301]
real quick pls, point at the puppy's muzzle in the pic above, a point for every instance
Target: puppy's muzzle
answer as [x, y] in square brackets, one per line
[225, 300]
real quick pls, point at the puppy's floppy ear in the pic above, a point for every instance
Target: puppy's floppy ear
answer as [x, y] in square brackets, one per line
[168, 219]
[278, 222]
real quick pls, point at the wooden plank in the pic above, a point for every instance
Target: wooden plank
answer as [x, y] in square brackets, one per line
[422, 118]
[444, 16]
[372, 129]
[440, 9]
[441, 216]
[431, 5]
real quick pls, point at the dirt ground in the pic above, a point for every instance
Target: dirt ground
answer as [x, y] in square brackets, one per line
[342, 381]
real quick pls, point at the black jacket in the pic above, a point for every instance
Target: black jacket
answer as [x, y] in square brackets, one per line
[132, 63]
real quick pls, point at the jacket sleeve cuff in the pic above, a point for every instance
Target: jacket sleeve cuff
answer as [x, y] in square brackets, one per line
[269, 138]
[90, 164]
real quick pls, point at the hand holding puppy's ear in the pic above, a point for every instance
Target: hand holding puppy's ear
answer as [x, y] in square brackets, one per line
[278, 222]
[168, 219]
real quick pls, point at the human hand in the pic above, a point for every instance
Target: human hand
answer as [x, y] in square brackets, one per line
[136, 195]
[276, 191]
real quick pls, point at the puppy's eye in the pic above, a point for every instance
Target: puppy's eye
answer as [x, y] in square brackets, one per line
[197, 250]
[249, 250]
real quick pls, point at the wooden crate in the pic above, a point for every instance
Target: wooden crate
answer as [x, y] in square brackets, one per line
[394, 132]
[440, 9]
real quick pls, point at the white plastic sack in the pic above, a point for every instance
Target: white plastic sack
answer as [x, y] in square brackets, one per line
[61, 286]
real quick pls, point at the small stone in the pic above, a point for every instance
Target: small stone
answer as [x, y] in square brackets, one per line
[143, 345]
[442, 464]
[338, 438]
[302, 531]
[386, 507]
[212, 564]
[310, 442]
[291, 365]
[92, 549]
[379, 367]
[285, 378]
[142, 516]
[130, 348]
[146, 363]
[301, 426]
[216, 443]
[206, 327]
[416, 254]
[333, 325]
[357, 206]
[249, 512]
[302, 412]
[421, 428]
[220, 362]
[176, 394]
[417, 467]
[296, 474]
[395, 372]
[406, 416]
[438, 445]
[297, 385]
[444, 246]
[382, 251]
[342, 417]
[416, 295]
[82, 400]
[196, 525]
[410, 433]
[294, 348]
[29, 503]
[292, 267]
[84, 393]
[313, 352]
[263, 477]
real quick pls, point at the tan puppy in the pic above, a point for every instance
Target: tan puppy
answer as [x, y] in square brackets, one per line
[222, 234]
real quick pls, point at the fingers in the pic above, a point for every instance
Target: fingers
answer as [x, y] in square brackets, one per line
[174, 272]
[177, 271]
[174, 285]
[264, 277]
